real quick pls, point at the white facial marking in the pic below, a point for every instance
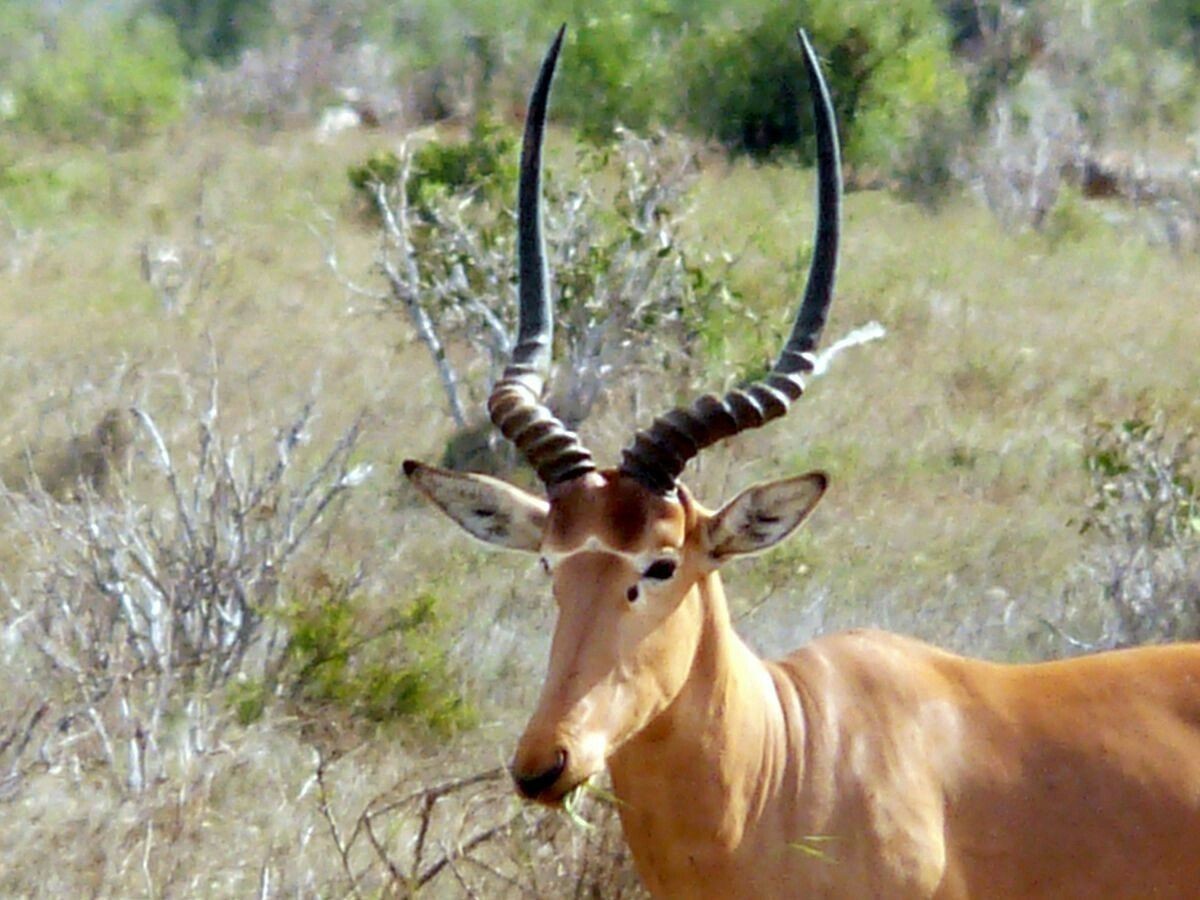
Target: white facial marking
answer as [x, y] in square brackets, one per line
[640, 561]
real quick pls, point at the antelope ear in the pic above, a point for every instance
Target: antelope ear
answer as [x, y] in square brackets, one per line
[486, 508]
[763, 515]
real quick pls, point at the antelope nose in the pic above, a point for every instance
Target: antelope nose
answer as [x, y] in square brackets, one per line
[531, 784]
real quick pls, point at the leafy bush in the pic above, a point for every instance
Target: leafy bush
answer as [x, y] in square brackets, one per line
[1176, 24]
[102, 80]
[1122, 71]
[35, 189]
[216, 29]
[1069, 219]
[931, 160]
[383, 672]
[614, 71]
[381, 167]
[483, 166]
[729, 70]
[889, 69]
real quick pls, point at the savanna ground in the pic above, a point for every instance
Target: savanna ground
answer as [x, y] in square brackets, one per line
[341, 728]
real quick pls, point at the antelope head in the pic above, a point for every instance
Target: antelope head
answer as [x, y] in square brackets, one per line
[632, 558]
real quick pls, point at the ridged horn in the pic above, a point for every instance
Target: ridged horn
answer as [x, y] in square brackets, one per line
[515, 404]
[658, 455]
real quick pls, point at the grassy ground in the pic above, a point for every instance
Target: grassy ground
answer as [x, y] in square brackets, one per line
[955, 448]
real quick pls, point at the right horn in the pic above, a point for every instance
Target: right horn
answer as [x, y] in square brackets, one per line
[658, 455]
[515, 405]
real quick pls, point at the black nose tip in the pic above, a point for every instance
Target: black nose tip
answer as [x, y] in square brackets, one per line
[530, 786]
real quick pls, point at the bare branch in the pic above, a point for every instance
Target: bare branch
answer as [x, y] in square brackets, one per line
[406, 289]
[323, 805]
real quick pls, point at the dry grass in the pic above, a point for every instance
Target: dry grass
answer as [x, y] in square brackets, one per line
[955, 446]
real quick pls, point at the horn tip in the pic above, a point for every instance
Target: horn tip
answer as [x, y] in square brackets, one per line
[556, 45]
[810, 53]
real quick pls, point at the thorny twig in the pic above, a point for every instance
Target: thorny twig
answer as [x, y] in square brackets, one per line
[471, 820]
[323, 805]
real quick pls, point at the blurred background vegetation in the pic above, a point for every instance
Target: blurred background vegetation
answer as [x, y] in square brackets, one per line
[115, 71]
[253, 253]
[929, 92]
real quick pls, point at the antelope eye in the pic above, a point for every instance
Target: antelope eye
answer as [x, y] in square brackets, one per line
[660, 570]
[545, 564]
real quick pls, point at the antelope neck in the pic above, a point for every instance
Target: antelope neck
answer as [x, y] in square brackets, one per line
[700, 776]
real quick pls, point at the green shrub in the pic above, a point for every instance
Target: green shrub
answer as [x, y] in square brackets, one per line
[381, 167]
[729, 70]
[888, 65]
[391, 671]
[248, 699]
[1069, 220]
[1177, 24]
[482, 167]
[35, 190]
[99, 80]
[216, 29]
[614, 71]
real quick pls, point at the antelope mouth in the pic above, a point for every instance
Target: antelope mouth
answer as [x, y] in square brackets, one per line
[558, 786]
[547, 785]
[562, 795]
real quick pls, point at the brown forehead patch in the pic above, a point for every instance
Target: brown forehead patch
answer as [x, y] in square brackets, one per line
[618, 510]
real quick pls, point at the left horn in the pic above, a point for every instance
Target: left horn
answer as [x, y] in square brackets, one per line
[515, 405]
[659, 454]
